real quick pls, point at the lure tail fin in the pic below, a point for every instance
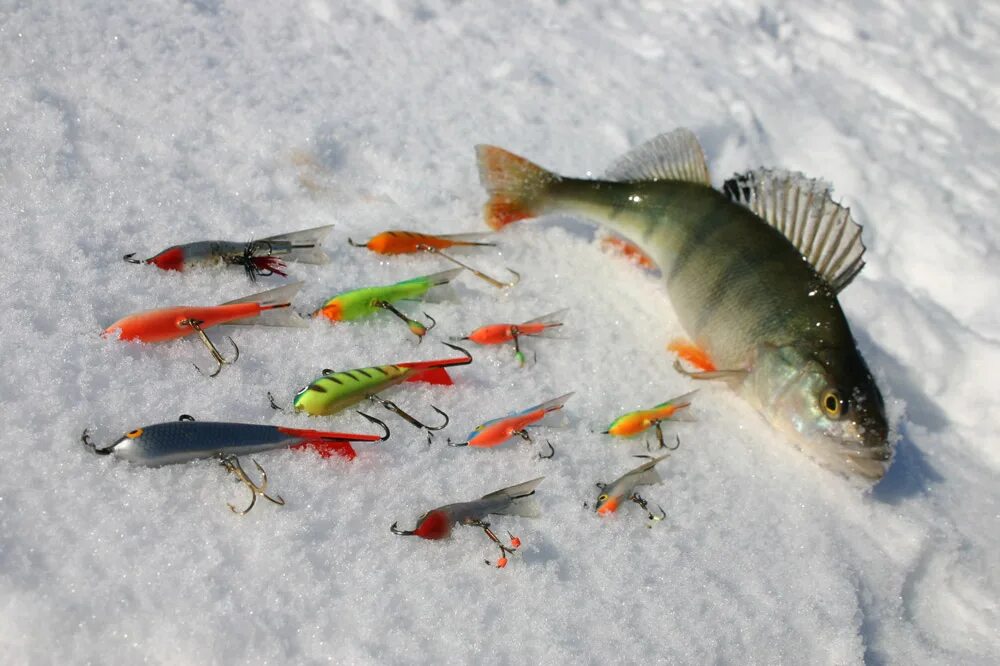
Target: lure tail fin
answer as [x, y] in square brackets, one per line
[516, 186]
[470, 239]
[437, 290]
[521, 501]
[553, 405]
[304, 246]
[433, 372]
[326, 443]
[679, 402]
[275, 308]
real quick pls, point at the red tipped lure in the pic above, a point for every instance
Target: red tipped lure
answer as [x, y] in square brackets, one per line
[186, 440]
[409, 242]
[623, 488]
[512, 501]
[499, 431]
[268, 308]
[498, 334]
[335, 391]
[633, 423]
[262, 257]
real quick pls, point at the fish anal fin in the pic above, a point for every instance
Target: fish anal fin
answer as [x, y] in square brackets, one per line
[693, 354]
[628, 251]
[804, 211]
[676, 155]
[438, 376]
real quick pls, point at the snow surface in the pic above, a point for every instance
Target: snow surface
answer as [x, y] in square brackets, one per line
[128, 127]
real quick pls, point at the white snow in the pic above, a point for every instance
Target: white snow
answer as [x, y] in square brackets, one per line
[128, 127]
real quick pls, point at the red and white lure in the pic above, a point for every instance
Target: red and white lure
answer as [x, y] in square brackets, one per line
[498, 334]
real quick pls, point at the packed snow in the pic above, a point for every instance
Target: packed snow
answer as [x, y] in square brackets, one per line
[129, 127]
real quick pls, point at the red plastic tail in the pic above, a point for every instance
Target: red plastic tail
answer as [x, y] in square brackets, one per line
[326, 436]
[432, 376]
[327, 449]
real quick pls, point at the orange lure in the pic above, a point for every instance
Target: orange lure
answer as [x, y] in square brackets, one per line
[409, 242]
[497, 334]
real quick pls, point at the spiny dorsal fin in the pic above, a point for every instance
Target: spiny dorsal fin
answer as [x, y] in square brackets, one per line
[675, 155]
[802, 209]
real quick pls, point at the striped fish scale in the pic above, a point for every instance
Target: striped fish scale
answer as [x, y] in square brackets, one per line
[335, 391]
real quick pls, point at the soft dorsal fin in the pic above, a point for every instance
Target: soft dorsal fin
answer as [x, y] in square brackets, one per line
[803, 210]
[675, 155]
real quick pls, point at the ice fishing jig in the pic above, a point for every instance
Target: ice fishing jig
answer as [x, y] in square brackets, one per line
[268, 308]
[410, 242]
[623, 488]
[496, 334]
[512, 501]
[258, 258]
[335, 391]
[366, 301]
[498, 431]
[641, 420]
[185, 440]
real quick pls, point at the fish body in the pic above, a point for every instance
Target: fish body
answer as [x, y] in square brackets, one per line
[623, 488]
[256, 257]
[364, 302]
[398, 241]
[511, 501]
[498, 431]
[335, 391]
[269, 308]
[758, 296]
[641, 420]
[184, 441]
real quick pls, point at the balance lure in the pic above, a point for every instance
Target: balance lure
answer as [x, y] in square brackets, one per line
[410, 242]
[623, 488]
[641, 420]
[364, 302]
[186, 440]
[753, 273]
[501, 430]
[335, 391]
[261, 257]
[512, 501]
[497, 334]
[268, 308]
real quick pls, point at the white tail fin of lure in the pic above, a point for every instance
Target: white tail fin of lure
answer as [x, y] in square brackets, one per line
[276, 307]
[522, 502]
[307, 245]
[441, 290]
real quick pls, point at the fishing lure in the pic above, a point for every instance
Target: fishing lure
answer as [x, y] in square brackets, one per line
[364, 302]
[623, 488]
[753, 272]
[268, 308]
[335, 391]
[185, 440]
[501, 430]
[497, 334]
[262, 257]
[512, 501]
[641, 420]
[410, 242]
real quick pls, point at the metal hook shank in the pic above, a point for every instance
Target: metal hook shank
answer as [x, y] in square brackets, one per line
[213, 350]
[395, 409]
[232, 465]
[479, 274]
[377, 422]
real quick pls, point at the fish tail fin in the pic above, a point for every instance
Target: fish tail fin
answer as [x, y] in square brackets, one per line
[521, 501]
[275, 308]
[516, 186]
[434, 375]
[551, 319]
[304, 246]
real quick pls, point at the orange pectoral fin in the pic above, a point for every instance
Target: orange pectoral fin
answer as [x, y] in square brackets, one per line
[693, 354]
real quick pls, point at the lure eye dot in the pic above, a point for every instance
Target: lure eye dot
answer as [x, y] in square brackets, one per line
[135, 433]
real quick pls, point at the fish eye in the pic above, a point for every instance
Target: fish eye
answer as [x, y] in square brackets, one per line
[832, 403]
[135, 433]
[602, 498]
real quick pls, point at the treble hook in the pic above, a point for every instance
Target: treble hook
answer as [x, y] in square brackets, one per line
[377, 422]
[232, 465]
[504, 550]
[395, 409]
[551, 455]
[395, 530]
[659, 438]
[350, 241]
[196, 325]
[645, 507]
[415, 326]
[479, 274]
[85, 438]
[129, 259]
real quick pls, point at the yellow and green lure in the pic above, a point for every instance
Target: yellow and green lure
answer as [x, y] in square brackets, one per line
[364, 302]
[641, 420]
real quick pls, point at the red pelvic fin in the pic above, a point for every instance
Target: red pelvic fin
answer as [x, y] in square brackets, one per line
[327, 449]
[268, 263]
[693, 354]
[629, 251]
[435, 375]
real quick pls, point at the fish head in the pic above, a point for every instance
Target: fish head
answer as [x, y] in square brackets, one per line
[171, 259]
[129, 446]
[607, 503]
[434, 524]
[827, 400]
[312, 399]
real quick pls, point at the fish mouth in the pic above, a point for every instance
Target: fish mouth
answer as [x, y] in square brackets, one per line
[871, 464]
